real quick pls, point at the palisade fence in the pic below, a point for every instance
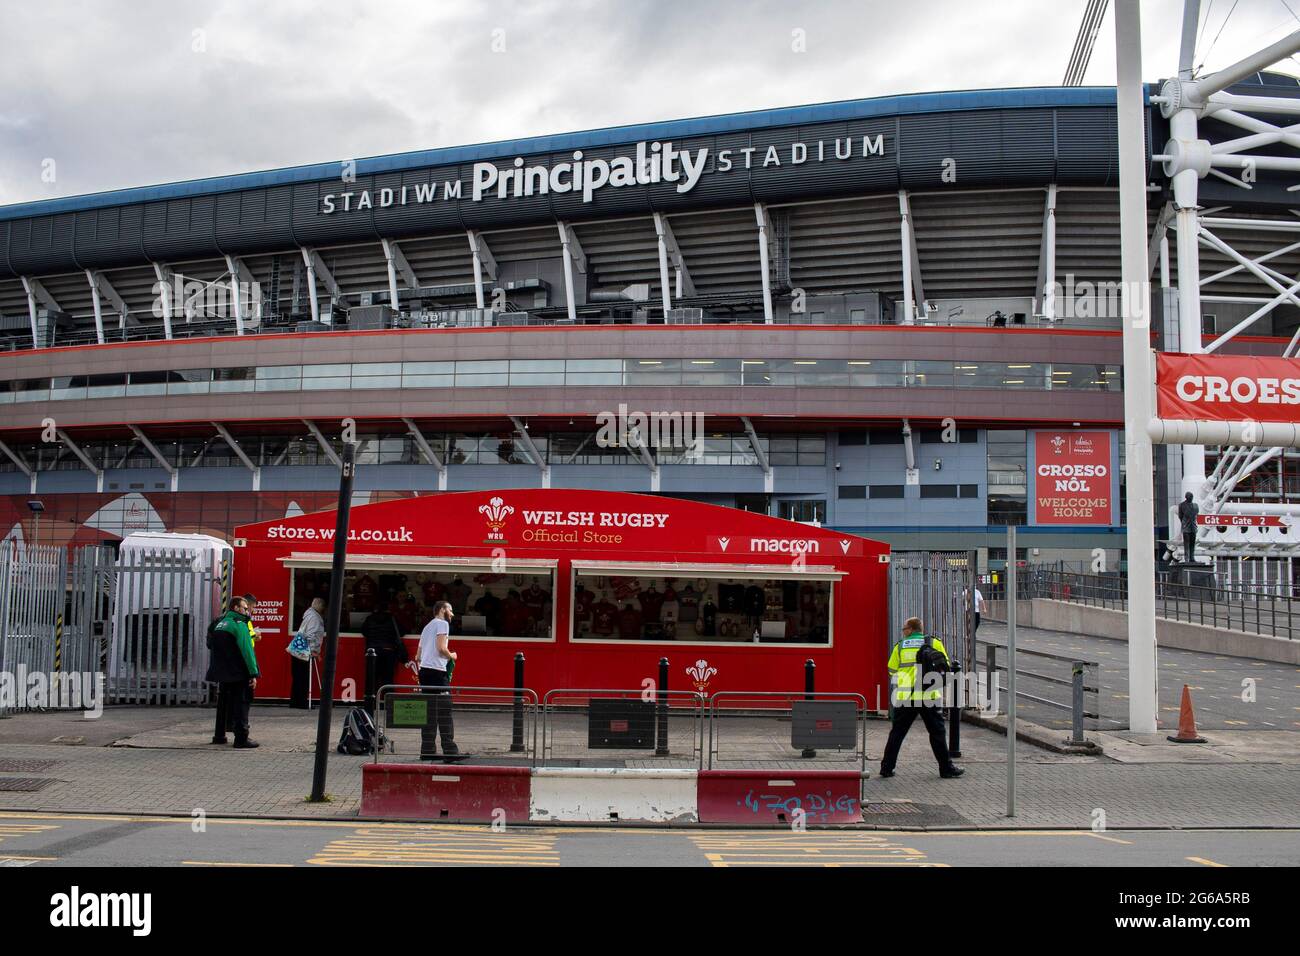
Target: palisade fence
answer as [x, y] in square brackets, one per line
[139, 619]
[935, 586]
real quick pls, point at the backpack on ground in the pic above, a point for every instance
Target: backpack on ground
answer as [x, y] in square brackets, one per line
[360, 736]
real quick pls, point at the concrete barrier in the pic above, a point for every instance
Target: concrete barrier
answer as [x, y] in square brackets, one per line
[452, 793]
[609, 795]
[772, 796]
[1073, 618]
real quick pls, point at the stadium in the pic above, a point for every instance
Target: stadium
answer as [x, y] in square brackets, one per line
[896, 317]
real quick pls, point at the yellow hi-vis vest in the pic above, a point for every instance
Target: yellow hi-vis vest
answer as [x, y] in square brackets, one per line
[902, 665]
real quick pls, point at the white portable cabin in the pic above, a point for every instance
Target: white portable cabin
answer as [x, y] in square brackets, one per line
[168, 588]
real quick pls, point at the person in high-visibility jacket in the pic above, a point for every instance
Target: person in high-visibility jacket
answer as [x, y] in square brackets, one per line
[911, 698]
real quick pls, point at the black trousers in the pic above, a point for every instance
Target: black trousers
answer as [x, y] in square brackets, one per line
[903, 717]
[1189, 546]
[977, 622]
[300, 689]
[442, 716]
[385, 668]
[239, 696]
[223, 713]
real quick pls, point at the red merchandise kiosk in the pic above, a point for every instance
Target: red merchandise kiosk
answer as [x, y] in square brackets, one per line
[593, 586]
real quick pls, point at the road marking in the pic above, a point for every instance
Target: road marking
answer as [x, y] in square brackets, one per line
[1109, 839]
[380, 846]
[1205, 862]
[16, 830]
[826, 848]
[215, 863]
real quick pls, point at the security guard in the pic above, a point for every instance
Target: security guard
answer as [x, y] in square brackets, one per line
[910, 700]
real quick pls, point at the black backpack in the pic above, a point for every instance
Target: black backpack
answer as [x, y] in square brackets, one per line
[360, 736]
[931, 659]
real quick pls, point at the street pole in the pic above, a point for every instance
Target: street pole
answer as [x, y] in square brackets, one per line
[1136, 298]
[334, 614]
[1011, 670]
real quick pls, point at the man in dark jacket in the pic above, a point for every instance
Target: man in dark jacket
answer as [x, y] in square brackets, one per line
[1187, 514]
[233, 666]
[382, 633]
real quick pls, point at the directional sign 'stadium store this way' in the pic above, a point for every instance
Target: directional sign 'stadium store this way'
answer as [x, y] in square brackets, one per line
[594, 588]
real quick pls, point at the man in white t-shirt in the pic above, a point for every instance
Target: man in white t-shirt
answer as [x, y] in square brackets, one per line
[433, 655]
[979, 606]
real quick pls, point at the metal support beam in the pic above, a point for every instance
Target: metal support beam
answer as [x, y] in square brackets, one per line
[158, 456]
[1130, 116]
[769, 478]
[99, 311]
[325, 446]
[166, 279]
[37, 293]
[397, 262]
[573, 258]
[85, 459]
[240, 277]
[316, 269]
[1047, 257]
[229, 439]
[533, 452]
[914, 300]
[485, 264]
[909, 453]
[22, 466]
[661, 236]
[427, 450]
[764, 264]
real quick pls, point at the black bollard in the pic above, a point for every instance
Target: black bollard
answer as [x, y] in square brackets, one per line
[809, 693]
[661, 702]
[954, 713]
[517, 729]
[372, 692]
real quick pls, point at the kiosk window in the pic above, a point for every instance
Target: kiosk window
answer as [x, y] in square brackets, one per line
[513, 605]
[701, 609]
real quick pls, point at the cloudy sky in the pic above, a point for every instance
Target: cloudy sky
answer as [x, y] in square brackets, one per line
[135, 92]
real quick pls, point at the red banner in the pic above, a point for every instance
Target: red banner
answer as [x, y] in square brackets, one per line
[1227, 388]
[1072, 478]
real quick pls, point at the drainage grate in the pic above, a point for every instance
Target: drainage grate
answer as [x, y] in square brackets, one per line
[891, 808]
[25, 766]
[24, 784]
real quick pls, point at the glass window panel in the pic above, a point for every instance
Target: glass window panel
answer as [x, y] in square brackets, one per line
[711, 372]
[653, 371]
[876, 373]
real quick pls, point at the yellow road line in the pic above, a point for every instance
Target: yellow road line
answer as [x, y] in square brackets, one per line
[1110, 839]
[15, 856]
[1205, 862]
[216, 863]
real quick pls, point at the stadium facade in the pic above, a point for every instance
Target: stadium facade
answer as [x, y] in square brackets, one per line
[897, 317]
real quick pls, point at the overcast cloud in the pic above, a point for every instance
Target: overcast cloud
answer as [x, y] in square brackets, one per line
[137, 92]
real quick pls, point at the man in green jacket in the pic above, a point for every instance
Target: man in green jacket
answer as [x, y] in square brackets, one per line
[233, 665]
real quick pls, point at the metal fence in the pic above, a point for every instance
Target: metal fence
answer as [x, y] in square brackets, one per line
[31, 621]
[1055, 681]
[137, 623]
[1213, 604]
[934, 586]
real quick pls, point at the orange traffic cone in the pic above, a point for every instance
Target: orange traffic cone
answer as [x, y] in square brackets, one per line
[1187, 722]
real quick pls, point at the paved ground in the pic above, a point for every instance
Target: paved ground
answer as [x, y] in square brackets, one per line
[1217, 683]
[1233, 782]
[72, 840]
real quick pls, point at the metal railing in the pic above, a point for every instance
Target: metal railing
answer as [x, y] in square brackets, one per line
[766, 698]
[1212, 604]
[1079, 693]
[519, 703]
[665, 728]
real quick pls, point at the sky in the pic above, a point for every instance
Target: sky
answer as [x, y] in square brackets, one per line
[115, 93]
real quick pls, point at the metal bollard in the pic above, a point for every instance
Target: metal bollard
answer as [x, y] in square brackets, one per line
[809, 693]
[991, 669]
[517, 727]
[954, 713]
[371, 660]
[661, 723]
[1076, 703]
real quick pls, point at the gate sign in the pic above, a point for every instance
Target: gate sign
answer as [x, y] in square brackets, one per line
[1241, 521]
[1227, 388]
[1072, 478]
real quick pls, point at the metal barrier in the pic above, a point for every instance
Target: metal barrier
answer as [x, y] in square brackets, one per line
[795, 697]
[631, 735]
[517, 704]
[1084, 679]
[31, 614]
[1213, 604]
[936, 587]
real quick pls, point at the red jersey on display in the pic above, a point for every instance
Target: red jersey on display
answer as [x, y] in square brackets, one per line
[652, 602]
[629, 624]
[602, 617]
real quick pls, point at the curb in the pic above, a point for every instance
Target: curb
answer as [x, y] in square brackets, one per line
[1039, 736]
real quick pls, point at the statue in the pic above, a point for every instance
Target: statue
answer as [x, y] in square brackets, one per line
[1187, 512]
